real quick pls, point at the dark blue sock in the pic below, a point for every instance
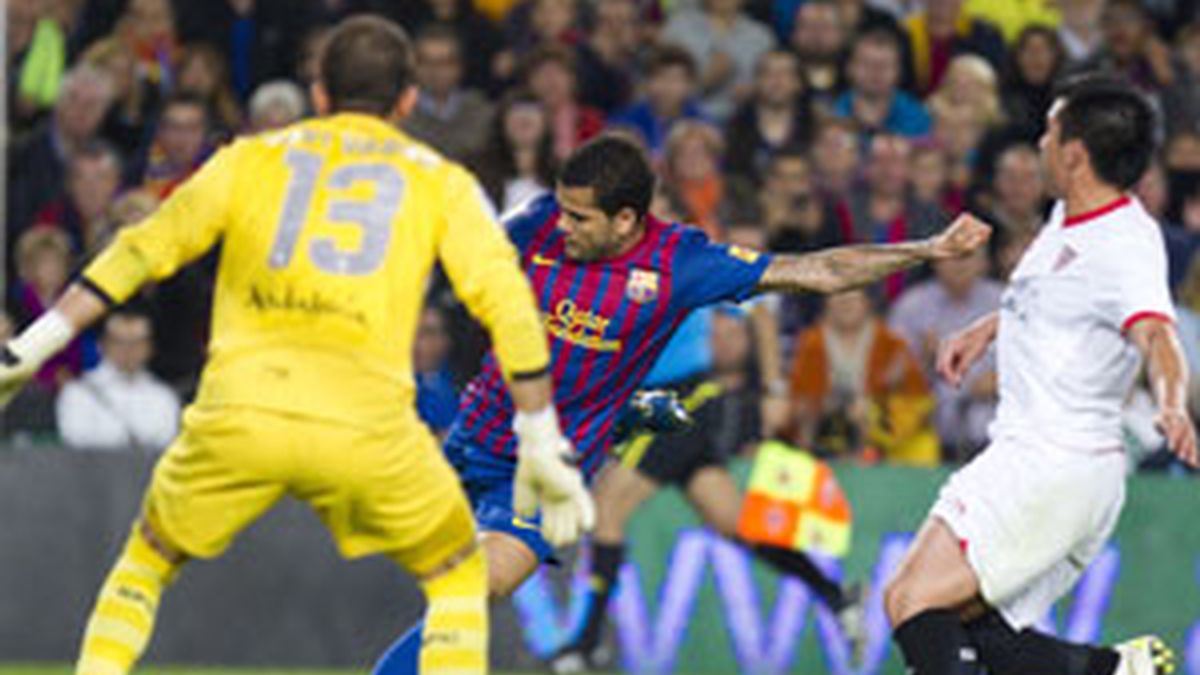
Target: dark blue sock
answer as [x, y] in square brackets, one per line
[404, 656]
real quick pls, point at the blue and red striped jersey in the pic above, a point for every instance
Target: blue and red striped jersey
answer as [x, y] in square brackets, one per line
[607, 322]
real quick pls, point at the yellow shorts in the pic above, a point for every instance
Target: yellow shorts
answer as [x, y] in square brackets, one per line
[391, 493]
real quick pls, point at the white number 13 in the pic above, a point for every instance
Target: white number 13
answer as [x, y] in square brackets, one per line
[373, 217]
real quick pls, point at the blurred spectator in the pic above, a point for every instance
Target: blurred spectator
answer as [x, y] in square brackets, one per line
[148, 27]
[874, 99]
[203, 72]
[794, 216]
[1130, 48]
[1188, 315]
[452, 119]
[1182, 242]
[549, 73]
[957, 130]
[670, 85]
[257, 40]
[607, 60]
[134, 100]
[692, 172]
[931, 312]
[1013, 17]
[1019, 193]
[437, 397]
[942, 31]
[120, 405]
[1010, 245]
[1079, 30]
[93, 177]
[856, 387]
[779, 115]
[310, 50]
[29, 417]
[859, 16]
[970, 85]
[884, 210]
[131, 207]
[518, 163]
[42, 157]
[180, 145]
[726, 44]
[931, 179]
[37, 57]
[275, 105]
[482, 63]
[835, 159]
[1034, 63]
[541, 23]
[1181, 101]
[44, 262]
[819, 38]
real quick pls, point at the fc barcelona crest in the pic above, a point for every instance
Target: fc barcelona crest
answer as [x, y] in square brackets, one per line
[642, 286]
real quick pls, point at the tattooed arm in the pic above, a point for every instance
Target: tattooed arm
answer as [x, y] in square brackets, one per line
[839, 269]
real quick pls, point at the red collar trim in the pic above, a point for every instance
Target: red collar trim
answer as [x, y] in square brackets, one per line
[1108, 208]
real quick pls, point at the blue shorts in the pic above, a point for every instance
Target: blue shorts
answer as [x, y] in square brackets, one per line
[488, 481]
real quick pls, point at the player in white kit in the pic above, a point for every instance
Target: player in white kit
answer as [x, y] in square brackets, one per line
[1012, 531]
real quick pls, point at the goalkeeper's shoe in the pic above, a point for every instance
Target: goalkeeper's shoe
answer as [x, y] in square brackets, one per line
[657, 411]
[1146, 655]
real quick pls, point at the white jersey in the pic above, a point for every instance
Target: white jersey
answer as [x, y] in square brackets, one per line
[1065, 366]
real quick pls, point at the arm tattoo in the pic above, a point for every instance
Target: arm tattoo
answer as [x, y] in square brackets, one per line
[842, 268]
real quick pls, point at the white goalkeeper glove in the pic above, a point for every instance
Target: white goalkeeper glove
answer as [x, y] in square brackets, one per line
[25, 354]
[546, 474]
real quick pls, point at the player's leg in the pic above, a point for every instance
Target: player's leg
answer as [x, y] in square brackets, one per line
[122, 620]
[618, 492]
[393, 493]
[1008, 651]
[211, 483]
[923, 601]
[717, 499]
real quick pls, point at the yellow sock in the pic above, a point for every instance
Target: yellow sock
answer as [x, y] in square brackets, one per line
[456, 623]
[123, 619]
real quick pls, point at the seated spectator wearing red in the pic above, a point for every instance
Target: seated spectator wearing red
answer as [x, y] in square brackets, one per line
[452, 119]
[549, 73]
[874, 100]
[884, 209]
[119, 405]
[38, 163]
[856, 388]
[93, 178]
[518, 162]
[180, 145]
[670, 86]
[778, 115]
[44, 263]
[942, 31]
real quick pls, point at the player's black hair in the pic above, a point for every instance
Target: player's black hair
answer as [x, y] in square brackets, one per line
[1115, 123]
[616, 169]
[366, 65]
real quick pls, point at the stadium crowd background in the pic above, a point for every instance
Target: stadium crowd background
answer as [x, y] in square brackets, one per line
[789, 125]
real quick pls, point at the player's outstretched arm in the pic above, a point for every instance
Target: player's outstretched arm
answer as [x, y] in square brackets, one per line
[24, 355]
[846, 267]
[1167, 368]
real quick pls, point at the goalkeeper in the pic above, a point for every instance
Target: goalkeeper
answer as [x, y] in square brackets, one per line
[328, 231]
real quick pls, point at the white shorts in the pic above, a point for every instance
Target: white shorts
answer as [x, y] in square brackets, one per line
[1031, 518]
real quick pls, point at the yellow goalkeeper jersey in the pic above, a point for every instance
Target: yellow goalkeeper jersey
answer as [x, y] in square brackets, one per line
[328, 231]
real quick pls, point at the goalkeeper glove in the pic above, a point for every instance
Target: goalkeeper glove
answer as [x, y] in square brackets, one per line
[25, 354]
[546, 474]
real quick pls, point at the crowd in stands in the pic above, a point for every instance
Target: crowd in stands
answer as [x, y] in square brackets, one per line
[792, 125]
